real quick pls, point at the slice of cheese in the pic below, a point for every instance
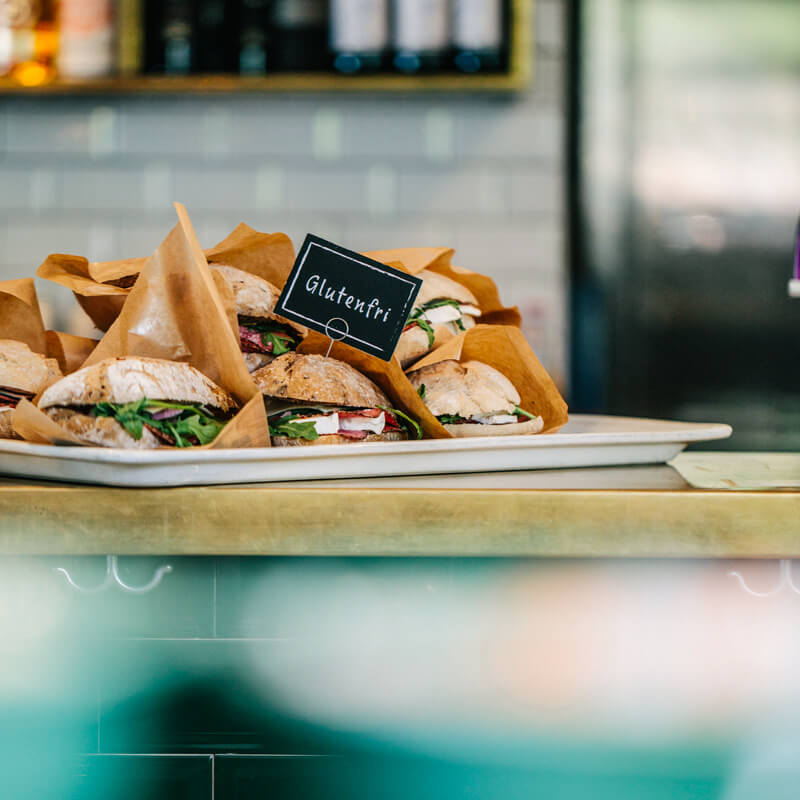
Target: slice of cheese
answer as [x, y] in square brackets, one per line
[494, 419]
[323, 424]
[369, 424]
[442, 314]
[472, 311]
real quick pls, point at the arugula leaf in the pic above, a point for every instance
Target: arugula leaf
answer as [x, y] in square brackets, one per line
[425, 325]
[283, 338]
[280, 343]
[192, 423]
[283, 424]
[441, 302]
[203, 428]
[295, 430]
[520, 412]
[409, 423]
[450, 419]
[128, 415]
[416, 318]
[421, 391]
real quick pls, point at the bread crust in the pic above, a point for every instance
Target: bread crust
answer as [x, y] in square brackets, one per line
[6, 429]
[316, 379]
[465, 388]
[21, 368]
[469, 430]
[130, 378]
[438, 287]
[335, 438]
[413, 343]
[254, 361]
[254, 296]
[102, 431]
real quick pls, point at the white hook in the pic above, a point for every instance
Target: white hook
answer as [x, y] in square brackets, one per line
[107, 581]
[112, 576]
[784, 581]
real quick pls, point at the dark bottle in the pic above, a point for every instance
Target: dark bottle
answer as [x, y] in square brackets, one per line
[478, 36]
[170, 45]
[420, 35]
[299, 31]
[254, 51]
[359, 35]
[215, 51]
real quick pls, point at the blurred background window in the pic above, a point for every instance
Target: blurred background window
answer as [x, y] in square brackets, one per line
[686, 156]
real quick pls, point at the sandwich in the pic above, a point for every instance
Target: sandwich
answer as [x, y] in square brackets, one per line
[443, 309]
[473, 399]
[312, 400]
[141, 403]
[23, 374]
[262, 334]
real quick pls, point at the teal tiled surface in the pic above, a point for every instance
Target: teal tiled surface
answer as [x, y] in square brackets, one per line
[185, 696]
[121, 685]
[363, 777]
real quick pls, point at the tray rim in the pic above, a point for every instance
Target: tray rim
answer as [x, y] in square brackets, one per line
[671, 431]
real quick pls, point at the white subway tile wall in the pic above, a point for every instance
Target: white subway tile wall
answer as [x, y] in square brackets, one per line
[481, 173]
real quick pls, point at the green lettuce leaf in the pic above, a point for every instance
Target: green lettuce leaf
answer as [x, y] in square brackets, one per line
[192, 423]
[450, 419]
[520, 412]
[294, 430]
[409, 423]
[280, 343]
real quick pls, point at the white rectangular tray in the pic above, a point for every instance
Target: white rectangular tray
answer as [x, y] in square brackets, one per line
[586, 440]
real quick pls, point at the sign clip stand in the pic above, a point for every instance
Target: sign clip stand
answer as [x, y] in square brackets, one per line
[340, 332]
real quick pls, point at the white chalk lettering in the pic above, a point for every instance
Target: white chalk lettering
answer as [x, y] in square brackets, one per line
[370, 309]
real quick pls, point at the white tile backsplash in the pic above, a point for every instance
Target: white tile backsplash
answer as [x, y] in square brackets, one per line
[482, 173]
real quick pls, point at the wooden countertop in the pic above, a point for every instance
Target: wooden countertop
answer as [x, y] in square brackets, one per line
[618, 512]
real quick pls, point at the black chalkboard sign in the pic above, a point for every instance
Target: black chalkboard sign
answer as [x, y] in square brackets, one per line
[348, 297]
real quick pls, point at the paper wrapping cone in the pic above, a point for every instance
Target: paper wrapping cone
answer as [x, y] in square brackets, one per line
[439, 259]
[175, 311]
[505, 348]
[20, 316]
[268, 255]
[70, 351]
[387, 374]
[101, 287]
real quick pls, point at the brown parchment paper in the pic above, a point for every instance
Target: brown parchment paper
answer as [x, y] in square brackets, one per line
[387, 374]
[70, 351]
[20, 316]
[505, 348]
[268, 255]
[439, 259]
[175, 311]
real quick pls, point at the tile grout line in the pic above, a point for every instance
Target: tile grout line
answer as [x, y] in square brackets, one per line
[214, 602]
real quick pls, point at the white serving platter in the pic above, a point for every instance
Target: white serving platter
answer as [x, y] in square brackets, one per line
[585, 441]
